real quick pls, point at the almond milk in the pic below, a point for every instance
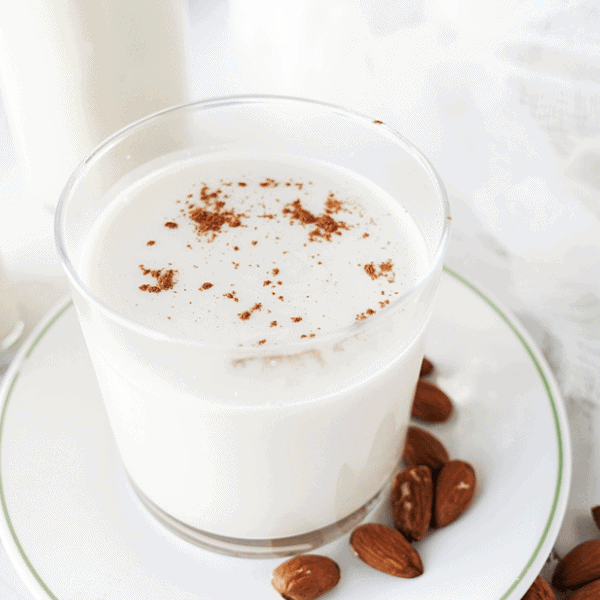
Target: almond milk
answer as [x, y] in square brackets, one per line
[257, 372]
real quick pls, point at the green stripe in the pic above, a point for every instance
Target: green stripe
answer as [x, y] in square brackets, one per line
[2, 419]
[450, 272]
[3, 500]
[559, 478]
[42, 333]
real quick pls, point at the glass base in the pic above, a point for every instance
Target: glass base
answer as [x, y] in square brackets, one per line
[257, 548]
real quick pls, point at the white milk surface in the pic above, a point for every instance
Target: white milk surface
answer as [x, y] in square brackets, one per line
[259, 422]
[308, 276]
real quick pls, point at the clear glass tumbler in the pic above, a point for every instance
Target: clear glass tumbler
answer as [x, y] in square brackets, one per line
[247, 451]
[11, 324]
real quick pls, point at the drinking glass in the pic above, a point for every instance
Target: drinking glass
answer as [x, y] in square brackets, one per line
[11, 324]
[253, 451]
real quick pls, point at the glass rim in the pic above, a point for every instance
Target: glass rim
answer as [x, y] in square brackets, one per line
[301, 346]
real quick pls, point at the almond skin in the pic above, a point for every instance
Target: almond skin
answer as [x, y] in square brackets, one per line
[305, 577]
[412, 502]
[431, 404]
[426, 367]
[578, 567]
[386, 549]
[454, 490]
[596, 515]
[539, 590]
[423, 448]
[591, 591]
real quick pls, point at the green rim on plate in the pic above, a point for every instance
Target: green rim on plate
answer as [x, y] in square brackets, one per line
[34, 340]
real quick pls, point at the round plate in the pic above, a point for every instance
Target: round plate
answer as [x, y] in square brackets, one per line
[75, 530]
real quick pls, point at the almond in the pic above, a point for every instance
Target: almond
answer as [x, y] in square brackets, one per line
[431, 404]
[596, 515]
[539, 590]
[423, 448]
[412, 502]
[578, 567]
[305, 577]
[386, 549]
[454, 490]
[591, 591]
[426, 368]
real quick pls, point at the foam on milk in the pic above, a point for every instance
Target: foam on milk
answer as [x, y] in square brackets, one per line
[276, 276]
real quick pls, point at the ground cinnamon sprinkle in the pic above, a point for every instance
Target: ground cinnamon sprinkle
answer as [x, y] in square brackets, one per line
[210, 218]
[268, 182]
[150, 243]
[261, 342]
[371, 271]
[385, 270]
[386, 266]
[171, 225]
[206, 286]
[296, 319]
[299, 213]
[165, 280]
[332, 205]
[248, 313]
[273, 324]
[150, 288]
[325, 225]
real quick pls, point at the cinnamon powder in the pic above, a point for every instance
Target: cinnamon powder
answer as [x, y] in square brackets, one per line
[165, 280]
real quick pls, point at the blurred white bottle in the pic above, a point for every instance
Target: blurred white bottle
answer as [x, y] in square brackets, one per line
[75, 71]
[11, 325]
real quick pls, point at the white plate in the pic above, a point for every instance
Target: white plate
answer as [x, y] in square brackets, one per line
[75, 530]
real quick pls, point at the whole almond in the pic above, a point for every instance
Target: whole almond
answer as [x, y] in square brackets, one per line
[426, 367]
[386, 549]
[431, 404]
[596, 515]
[412, 502]
[591, 591]
[539, 590]
[454, 490]
[578, 567]
[305, 577]
[423, 448]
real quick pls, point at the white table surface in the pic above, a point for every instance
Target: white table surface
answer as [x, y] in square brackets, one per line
[507, 108]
